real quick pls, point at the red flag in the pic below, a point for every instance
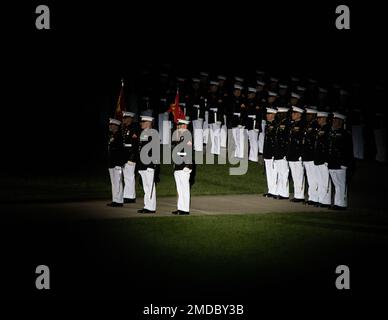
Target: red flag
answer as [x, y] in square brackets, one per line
[120, 103]
[176, 110]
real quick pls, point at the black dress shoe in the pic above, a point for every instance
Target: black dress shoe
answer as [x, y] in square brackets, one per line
[337, 208]
[146, 211]
[128, 200]
[311, 203]
[175, 212]
[281, 198]
[114, 204]
[269, 195]
[321, 205]
[180, 212]
[297, 200]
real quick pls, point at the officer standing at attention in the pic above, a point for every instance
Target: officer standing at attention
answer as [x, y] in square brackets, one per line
[238, 112]
[149, 172]
[294, 153]
[269, 152]
[281, 164]
[130, 141]
[340, 158]
[253, 124]
[321, 158]
[183, 171]
[115, 162]
[309, 137]
[236, 106]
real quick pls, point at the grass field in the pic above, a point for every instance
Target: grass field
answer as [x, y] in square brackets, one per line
[186, 258]
[208, 256]
[210, 180]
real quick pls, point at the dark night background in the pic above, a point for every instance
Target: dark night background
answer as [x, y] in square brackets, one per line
[61, 85]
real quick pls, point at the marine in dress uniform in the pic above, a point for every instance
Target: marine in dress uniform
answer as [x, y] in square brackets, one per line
[261, 93]
[340, 158]
[183, 172]
[222, 112]
[215, 114]
[273, 84]
[269, 152]
[283, 95]
[196, 112]
[294, 100]
[238, 112]
[164, 122]
[253, 124]
[222, 86]
[149, 173]
[309, 138]
[261, 96]
[130, 142]
[321, 158]
[322, 97]
[294, 153]
[236, 106]
[281, 163]
[116, 162]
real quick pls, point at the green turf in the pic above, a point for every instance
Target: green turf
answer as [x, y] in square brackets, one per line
[210, 180]
[242, 251]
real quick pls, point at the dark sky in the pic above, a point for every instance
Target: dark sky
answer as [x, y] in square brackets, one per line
[56, 77]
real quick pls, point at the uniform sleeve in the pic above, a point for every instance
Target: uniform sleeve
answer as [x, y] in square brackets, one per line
[193, 174]
[157, 173]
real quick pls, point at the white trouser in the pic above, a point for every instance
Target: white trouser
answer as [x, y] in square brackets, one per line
[282, 171]
[224, 136]
[261, 136]
[239, 141]
[312, 179]
[147, 177]
[198, 134]
[324, 184]
[297, 173]
[338, 176]
[164, 128]
[116, 179]
[253, 145]
[129, 180]
[182, 180]
[215, 137]
[271, 175]
[358, 142]
[206, 128]
[381, 145]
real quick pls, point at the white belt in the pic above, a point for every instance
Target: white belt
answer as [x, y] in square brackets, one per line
[236, 114]
[181, 153]
[214, 109]
[196, 105]
[127, 145]
[252, 116]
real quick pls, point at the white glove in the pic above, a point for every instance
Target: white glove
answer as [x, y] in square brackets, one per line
[343, 167]
[284, 158]
[185, 169]
[300, 159]
[326, 164]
